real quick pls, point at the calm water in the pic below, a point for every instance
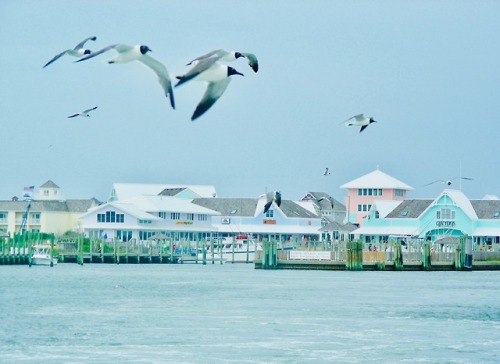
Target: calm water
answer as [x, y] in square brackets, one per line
[236, 314]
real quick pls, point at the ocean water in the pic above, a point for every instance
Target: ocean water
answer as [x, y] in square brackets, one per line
[100, 313]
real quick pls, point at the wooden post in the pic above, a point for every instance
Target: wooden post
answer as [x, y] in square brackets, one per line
[52, 250]
[426, 259]
[398, 257]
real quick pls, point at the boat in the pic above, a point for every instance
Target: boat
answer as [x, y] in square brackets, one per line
[238, 249]
[42, 255]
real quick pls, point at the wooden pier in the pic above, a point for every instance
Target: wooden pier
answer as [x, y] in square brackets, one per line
[352, 256]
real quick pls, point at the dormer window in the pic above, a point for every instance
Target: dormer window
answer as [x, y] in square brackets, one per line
[496, 215]
[404, 213]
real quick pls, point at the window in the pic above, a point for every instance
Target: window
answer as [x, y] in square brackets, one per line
[123, 235]
[145, 222]
[447, 214]
[175, 215]
[162, 214]
[35, 218]
[110, 216]
[45, 192]
[3, 217]
[145, 235]
[270, 213]
[101, 217]
[120, 218]
[377, 215]
[190, 217]
[360, 207]
[202, 217]
[398, 193]
[360, 192]
[380, 192]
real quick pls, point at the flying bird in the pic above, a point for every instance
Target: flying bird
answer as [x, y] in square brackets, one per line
[326, 172]
[270, 197]
[84, 113]
[126, 53]
[216, 75]
[226, 56]
[448, 182]
[359, 120]
[78, 51]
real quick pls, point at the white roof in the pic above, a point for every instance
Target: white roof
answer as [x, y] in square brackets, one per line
[384, 207]
[166, 203]
[386, 230]
[127, 190]
[461, 201]
[307, 204]
[377, 179]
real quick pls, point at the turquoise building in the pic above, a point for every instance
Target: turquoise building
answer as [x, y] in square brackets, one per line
[450, 215]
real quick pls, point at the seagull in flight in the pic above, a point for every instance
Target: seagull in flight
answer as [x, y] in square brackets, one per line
[270, 197]
[216, 75]
[84, 113]
[78, 51]
[359, 120]
[326, 172]
[448, 182]
[226, 56]
[126, 53]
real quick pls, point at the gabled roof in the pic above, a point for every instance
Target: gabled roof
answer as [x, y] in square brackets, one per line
[122, 191]
[409, 209]
[326, 202]
[251, 207]
[377, 179]
[460, 200]
[486, 209]
[385, 207]
[49, 184]
[229, 206]
[49, 206]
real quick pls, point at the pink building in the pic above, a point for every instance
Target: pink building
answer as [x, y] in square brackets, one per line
[375, 185]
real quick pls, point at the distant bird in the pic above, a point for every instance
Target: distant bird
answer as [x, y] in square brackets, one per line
[226, 56]
[270, 197]
[326, 172]
[359, 120]
[78, 51]
[128, 53]
[84, 113]
[448, 182]
[217, 76]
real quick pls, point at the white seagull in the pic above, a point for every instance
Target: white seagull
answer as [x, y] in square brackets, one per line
[448, 182]
[217, 76]
[84, 113]
[359, 120]
[78, 51]
[226, 56]
[126, 53]
[270, 197]
[326, 172]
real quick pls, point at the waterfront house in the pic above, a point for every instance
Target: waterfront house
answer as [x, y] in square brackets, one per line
[44, 211]
[451, 214]
[363, 191]
[143, 216]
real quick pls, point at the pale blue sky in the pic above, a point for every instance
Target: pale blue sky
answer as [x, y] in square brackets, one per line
[428, 71]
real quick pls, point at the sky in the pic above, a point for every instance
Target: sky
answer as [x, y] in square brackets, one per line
[427, 71]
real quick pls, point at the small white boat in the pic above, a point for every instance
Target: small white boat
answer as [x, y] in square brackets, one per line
[42, 255]
[234, 250]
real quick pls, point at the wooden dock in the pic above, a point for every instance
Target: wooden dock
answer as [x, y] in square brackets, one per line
[351, 256]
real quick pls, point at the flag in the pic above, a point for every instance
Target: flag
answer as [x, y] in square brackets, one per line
[28, 192]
